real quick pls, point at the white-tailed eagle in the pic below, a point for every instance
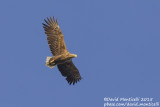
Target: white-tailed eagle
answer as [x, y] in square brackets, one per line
[62, 57]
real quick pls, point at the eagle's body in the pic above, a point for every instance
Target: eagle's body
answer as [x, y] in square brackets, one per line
[62, 58]
[59, 59]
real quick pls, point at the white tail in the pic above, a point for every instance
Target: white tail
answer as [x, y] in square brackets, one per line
[47, 62]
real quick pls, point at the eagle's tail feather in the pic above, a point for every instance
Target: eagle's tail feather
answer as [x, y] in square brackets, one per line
[49, 64]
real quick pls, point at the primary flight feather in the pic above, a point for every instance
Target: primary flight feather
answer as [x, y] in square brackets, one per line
[62, 57]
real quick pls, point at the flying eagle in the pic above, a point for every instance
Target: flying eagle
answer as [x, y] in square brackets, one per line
[62, 57]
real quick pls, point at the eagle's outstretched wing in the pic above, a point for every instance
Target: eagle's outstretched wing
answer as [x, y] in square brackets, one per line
[69, 70]
[54, 36]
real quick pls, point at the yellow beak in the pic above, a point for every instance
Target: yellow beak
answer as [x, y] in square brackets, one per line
[75, 55]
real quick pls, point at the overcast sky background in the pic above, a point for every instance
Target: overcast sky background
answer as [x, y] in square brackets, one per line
[117, 43]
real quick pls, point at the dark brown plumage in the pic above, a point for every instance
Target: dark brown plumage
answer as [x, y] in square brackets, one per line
[62, 58]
